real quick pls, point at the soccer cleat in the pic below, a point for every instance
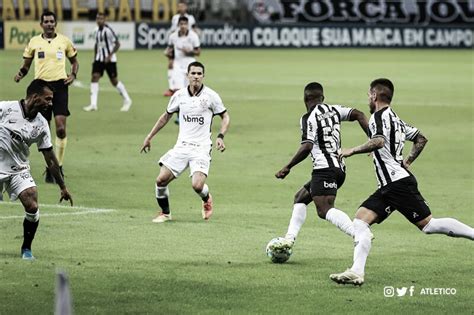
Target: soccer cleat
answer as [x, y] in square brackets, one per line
[207, 208]
[90, 108]
[168, 93]
[48, 177]
[284, 244]
[348, 277]
[161, 217]
[127, 103]
[26, 254]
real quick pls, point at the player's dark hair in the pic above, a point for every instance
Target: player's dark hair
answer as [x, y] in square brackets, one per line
[37, 86]
[48, 13]
[384, 89]
[183, 18]
[313, 92]
[196, 64]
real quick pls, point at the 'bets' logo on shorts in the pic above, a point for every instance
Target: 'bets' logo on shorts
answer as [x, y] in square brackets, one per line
[330, 185]
[194, 119]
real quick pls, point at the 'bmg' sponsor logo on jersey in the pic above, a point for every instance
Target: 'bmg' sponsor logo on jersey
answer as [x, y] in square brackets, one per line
[194, 119]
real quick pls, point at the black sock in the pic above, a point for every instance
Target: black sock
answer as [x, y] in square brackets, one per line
[205, 199]
[29, 230]
[164, 205]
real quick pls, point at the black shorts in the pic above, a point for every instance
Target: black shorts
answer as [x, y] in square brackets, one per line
[109, 67]
[326, 181]
[401, 195]
[60, 100]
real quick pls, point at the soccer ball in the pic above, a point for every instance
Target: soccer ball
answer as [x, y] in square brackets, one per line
[279, 250]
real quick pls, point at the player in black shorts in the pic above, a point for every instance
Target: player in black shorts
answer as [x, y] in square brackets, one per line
[320, 128]
[398, 189]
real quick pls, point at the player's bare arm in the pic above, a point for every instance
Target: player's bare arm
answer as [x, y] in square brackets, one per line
[361, 118]
[418, 145]
[370, 146]
[299, 156]
[116, 48]
[53, 165]
[192, 52]
[160, 123]
[74, 69]
[23, 70]
[220, 145]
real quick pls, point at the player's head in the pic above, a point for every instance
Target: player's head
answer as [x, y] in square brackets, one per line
[182, 7]
[313, 94]
[380, 91]
[100, 18]
[48, 22]
[183, 23]
[195, 73]
[39, 95]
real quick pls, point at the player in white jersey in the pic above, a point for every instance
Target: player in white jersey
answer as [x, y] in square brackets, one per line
[184, 45]
[182, 11]
[20, 127]
[398, 188]
[321, 138]
[105, 48]
[196, 106]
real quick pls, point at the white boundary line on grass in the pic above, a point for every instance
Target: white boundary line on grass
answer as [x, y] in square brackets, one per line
[82, 210]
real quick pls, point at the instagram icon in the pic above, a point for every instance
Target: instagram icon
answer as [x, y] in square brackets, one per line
[388, 291]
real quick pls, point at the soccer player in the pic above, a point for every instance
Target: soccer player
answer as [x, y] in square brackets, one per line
[184, 46]
[106, 45]
[196, 105]
[398, 188]
[50, 50]
[20, 127]
[320, 128]
[182, 11]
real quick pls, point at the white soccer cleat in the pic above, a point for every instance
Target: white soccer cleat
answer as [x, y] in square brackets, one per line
[126, 105]
[347, 277]
[161, 217]
[90, 108]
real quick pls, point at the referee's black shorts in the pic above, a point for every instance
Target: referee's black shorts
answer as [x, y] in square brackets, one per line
[109, 67]
[60, 100]
[401, 195]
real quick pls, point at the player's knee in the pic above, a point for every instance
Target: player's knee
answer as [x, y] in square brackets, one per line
[61, 132]
[198, 187]
[161, 182]
[303, 196]
[114, 81]
[322, 211]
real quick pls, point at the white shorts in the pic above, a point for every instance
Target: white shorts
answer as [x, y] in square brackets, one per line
[14, 184]
[180, 73]
[185, 154]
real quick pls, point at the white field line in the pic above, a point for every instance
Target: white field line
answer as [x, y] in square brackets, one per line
[79, 210]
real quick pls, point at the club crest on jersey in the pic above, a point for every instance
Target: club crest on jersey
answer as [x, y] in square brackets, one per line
[203, 103]
[35, 131]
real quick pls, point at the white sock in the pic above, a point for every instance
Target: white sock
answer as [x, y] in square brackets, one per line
[450, 227]
[161, 192]
[341, 220]
[205, 191]
[170, 79]
[94, 93]
[32, 217]
[122, 90]
[297, 219]
[362, 244]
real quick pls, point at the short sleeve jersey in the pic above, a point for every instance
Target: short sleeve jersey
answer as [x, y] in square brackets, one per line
[175, 19]
[189, 41]
[50, 56]
[105, 40]
[388, 160]
[196, 114]
[17, 134]
[322, 127]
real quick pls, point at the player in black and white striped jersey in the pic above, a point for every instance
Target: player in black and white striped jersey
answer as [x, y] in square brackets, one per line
[106, 45]
[398, 188]
[321, 137]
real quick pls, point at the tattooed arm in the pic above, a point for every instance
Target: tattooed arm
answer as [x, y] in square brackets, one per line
[371, 145]
[418, 145]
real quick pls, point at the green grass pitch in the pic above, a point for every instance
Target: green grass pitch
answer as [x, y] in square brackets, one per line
[119, 262]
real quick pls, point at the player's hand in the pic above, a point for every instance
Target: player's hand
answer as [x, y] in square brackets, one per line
[108, 59]
[345, 153]
[220, 144]
[406, 164]
[65, 195]
[70, 78]
[146, 147]
[18, 77]
[282, 173]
